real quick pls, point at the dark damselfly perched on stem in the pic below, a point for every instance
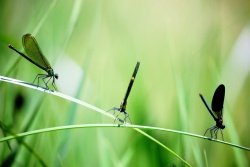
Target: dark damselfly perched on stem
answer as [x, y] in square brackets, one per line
[122, 108]
[35, 56]
[217, 107]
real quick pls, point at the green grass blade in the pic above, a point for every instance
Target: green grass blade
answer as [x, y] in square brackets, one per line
[22, 83]
[26, 145]
[136, 127]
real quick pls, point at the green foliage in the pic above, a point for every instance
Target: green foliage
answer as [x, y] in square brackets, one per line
[185, 48]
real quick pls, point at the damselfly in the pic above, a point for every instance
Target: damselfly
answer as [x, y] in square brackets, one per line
[217, 107]
[35, 56]
[122, 108]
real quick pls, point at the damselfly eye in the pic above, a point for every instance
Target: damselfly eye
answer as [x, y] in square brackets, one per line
[223, 126]
[56, 76]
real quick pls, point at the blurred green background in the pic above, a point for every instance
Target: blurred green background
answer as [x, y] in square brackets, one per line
[185, 48]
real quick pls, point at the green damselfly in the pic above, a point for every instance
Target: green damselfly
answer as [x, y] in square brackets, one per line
[35, 56]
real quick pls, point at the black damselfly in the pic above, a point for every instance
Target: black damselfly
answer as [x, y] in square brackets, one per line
[122, 108]
[217, 107]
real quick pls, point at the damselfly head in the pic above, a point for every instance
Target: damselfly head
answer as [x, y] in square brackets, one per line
[219, 124]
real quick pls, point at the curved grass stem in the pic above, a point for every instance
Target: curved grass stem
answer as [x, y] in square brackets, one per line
[135, 127]
[32, 86]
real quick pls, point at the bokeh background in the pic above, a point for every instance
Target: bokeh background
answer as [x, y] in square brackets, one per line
[185, 48]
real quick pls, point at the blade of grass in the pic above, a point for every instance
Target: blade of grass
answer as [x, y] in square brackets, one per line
[74, 17]
[156, 141]
[45, 16]
[4, 134]
[21, 141]
[12, 155]
[205, 156]
[22, 83]
[135, 127]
